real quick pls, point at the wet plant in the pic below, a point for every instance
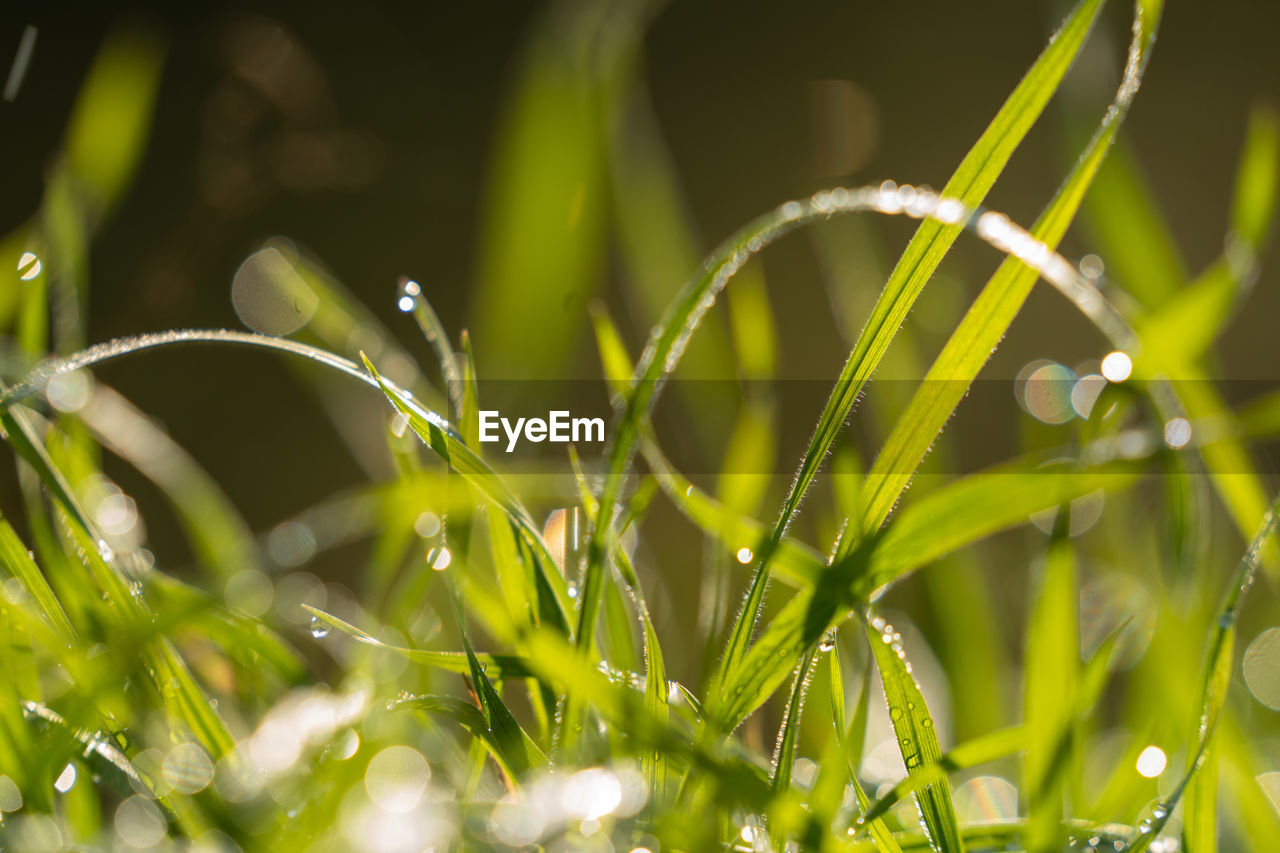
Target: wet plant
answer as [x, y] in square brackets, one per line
[500, 673]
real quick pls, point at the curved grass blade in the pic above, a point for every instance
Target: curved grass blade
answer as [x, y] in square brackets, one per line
[1216, 677]
[917, 737]
[502, 667]
[437, 434]
[947, 519]
[969, 185]
[617, 363]
[784, 756]
[433, 429]
[982, 327]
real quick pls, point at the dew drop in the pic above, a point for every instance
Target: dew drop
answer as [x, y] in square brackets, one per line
[319, 628]
[29, 266]
[439, 557]
[66, 780]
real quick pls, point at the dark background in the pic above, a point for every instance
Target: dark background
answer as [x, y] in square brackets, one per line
[414, 94]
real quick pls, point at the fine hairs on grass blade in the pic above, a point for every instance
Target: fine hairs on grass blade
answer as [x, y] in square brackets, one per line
[651, 372]
[1216, 678]
[917, 737]
[969, 185]
[949, 518]
[849, 743]
[944, 219]
[982, 327]
[433, 429]
[433, 330]
[1006, 742]
[502, 667]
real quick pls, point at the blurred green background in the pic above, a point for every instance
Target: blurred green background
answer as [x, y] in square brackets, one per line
[520, 160]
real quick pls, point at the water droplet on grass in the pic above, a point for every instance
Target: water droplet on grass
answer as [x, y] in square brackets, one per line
[66, 779]
[319, 628]
[29, 266]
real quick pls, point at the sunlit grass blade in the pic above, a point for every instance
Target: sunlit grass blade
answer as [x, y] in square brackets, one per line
[450, 447]
[112, 118]
[983, 749]
[1050, 667]
[18, 563]
[469, 407]
[917, 737]
[954, 516]
[971, 508]
[514, 763]
[1257, 179]
[519, 751]
[849, 742]
[617, 363]
[990, 315]
[970, 183]
[433, 330]
[1216, 677]
[784, 756]
[503, 667]
[1181, 330]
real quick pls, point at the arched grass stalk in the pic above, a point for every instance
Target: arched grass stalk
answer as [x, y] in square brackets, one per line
[975, 176]
[435, 430]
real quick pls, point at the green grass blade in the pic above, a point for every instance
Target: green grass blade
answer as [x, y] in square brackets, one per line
[970, 183]
[450, 447]
[1257, 179]
[987, 320]
[971, 508]
[1182, 329]
[469, 407]
[617, 364]
[433, 330]
[112, 120]
[977, 172]
[1051, 667]
[850, 742]
[954, 516]
[17, 562]
[992, 746]
[917, 737]
[502, 667]
[521, 754]
[1216, 677]
[514, 763]
[789, 732]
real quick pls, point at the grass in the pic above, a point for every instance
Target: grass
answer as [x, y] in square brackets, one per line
[490, 680]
